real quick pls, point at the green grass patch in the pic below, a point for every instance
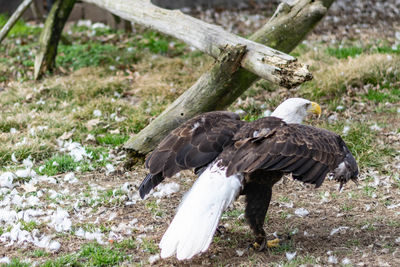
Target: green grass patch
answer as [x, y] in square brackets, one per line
[66, 163]
[353, 51]
[28, 226]
[149, 246]
[112, 139]
[20, 28]
[378, 96]
[38, 253]
[94, 54]
[15, 262]
[158, 43]
[92, 254]
[345, 52]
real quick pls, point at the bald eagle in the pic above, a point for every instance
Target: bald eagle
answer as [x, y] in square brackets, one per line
[234, 157]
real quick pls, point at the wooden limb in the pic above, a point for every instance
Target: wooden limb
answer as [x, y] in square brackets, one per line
[50, 36]
[284, 30]
[37, 14]
[266, 62]
[14, 18]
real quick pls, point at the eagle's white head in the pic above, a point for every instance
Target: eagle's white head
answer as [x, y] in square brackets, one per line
[294, 110]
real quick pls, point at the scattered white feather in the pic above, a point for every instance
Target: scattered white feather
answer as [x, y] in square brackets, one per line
[290, 255]
[375, 127]
[98, 236]
[339, 229]
[240, 112]
[367, 207]
[332, 118]
[54, 246]
[346, 130]
[346, 261]
[301, 212]
[99, 25]
[267, 113]
[13, 131]
[74, 149]
[97, 113]
[109, 168]
[60, 220]
[28, 162]
[332, 259]
[339, 107]
[393, 206]
[239, 252]
[25, 173]
[90, 137]
[40, 102]
[70, 177]
[5, 260]
[286, 204]
[13, 158]
[6, 180]
[112, 216]
[397, 240]
[165, 190]
[154, 258]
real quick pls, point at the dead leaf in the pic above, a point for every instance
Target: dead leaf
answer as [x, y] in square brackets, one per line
[67, 135]
[116, 131]
[90, 124]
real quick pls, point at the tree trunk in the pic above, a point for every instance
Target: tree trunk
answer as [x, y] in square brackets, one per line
[267, 63]
[14, 18]
[50, 36]
[287, 28]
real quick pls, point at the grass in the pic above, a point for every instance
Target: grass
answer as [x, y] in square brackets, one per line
[353, 51]
[94, 54]
[112, 139]
[20, 28]
[133, 78]
[334, 76]
[92, 254]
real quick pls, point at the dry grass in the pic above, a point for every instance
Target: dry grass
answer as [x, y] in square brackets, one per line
[333, 77]
[65, 104]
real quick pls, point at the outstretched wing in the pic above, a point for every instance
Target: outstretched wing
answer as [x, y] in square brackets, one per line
[307, 152]
[192, 145]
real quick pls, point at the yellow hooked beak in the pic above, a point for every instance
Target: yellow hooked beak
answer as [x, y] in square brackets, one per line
[315, 109]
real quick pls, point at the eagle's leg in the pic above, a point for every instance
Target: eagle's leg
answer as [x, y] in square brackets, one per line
[258, 197]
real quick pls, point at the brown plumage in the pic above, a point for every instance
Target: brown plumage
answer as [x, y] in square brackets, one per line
[260, 151]
[269, 143]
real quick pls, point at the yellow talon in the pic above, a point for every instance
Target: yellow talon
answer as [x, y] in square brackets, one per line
[256, 246]
[273, 243]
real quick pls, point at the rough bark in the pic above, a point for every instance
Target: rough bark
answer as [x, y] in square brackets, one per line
[50, 36]
[267, 63]
[14, 18]
[287, 28]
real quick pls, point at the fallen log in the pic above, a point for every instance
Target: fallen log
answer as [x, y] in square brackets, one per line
[264, 61]
[287, 28]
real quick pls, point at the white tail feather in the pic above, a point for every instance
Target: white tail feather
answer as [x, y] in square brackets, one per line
[193, 227]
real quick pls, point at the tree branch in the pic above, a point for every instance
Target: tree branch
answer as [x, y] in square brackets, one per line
[266, 62]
